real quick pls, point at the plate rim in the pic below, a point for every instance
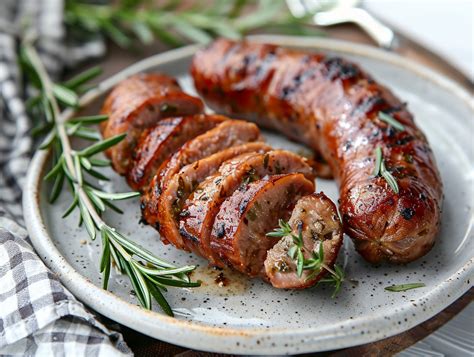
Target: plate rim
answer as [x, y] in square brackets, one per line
[251, 340]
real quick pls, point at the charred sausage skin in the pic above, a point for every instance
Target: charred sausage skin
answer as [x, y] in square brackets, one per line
[139, 102]
[178, 153]
[333, 106]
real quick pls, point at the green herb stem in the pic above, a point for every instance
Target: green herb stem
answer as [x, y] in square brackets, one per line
[404, 287]
[91, 201]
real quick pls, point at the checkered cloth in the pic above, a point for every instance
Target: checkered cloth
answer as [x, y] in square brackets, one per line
[38, 316]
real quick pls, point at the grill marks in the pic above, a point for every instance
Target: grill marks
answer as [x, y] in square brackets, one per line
[138, 103]
[238, 234]
[233, 175]
[156, 144]
[332, 106]
[210, 185]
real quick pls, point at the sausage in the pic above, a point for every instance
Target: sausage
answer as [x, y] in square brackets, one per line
[138, 102]
[334, 107]
[316, 216]
[226, 134]
[158, 143]
[239, 232]
[162, 209]
[203, 204]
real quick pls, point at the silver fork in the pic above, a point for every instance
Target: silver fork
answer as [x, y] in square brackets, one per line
[332, 12]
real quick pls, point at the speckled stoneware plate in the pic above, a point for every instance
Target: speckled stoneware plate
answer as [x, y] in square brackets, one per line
[249, 316]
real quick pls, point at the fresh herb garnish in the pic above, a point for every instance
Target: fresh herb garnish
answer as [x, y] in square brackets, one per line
[391, 121]
[148, 274]
[315, 264]
[381, 170]
[404, 287]
[126, 22]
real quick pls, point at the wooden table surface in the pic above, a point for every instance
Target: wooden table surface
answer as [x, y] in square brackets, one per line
[117, 59]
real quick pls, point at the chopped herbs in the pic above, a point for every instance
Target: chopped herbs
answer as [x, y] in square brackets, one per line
[313, 265]
[404, 287]
[391, 121]
[380, 170]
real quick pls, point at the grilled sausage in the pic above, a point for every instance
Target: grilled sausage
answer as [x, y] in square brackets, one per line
[159, 142]
[203, 205]
[239, 232]
[333, 106]
[316, 216]
[137, 103]
[162, 209]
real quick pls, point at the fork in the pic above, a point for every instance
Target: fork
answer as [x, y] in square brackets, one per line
[332, 12]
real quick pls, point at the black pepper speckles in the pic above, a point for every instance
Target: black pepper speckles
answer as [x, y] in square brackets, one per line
[407, 213]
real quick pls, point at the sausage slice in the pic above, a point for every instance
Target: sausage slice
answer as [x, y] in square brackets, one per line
[203, 205]
[226, 134]
[137, 103]
[161, 209]
[156, 144]
[319, 222]
[239, 232]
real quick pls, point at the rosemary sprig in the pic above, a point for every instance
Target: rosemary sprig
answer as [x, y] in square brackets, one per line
[391, 121]
[404, 287]
[315, 264]
[149, 275]
[381, 170]
[174, 23]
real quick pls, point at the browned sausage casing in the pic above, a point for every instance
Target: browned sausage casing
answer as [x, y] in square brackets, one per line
[332, 106]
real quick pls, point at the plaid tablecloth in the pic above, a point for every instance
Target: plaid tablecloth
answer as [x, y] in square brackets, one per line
[37, 314]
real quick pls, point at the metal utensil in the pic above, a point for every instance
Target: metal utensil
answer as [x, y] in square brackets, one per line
[334, 12]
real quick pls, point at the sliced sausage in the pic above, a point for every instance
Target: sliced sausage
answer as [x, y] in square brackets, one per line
[137, 103]
[239, 232]
[226, 134]
[203, 205]
[162, 209]
[316, 216]
[158, 143]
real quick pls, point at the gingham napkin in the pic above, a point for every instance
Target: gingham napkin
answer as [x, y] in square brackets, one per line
[38, 316]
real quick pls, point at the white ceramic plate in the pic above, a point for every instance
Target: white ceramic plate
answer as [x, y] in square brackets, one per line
[249, 316]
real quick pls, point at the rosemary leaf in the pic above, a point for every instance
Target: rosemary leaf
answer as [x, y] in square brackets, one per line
[105, 260]
[86, 216]
[176, 283]
[73, 205]
[77, 169]
[116, 196]
[89, 120]
[102, 145]
[98, 203]
[391, 121]
[97, 174]
[86, 163]
[57, 168]
[65, 95]
[404, 287]
[88, 134]
[113, 207]
[378, 160]
[142, 285]
[158, 296]
[57, 187]
[99, 162]
[48, 141]
[82, 78]
[300, 263]
[391, 181]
